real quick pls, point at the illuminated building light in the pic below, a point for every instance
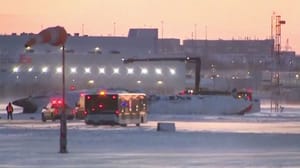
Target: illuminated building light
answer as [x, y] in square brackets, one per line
[59, 70]
[130, 70]
[73, 70]
[144, 71]
[101, 70]
[16, 69]
[160, 82]
[116, 70]
[44, 69]
[87, 70]
[172, 71]
[158, 71]
[139, 82]
[30, 69]
[91, 82]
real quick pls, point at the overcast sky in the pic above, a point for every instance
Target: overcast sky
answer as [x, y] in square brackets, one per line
[225, 19]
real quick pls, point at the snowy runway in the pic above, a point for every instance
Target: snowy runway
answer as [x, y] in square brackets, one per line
[199, 142]
[257, 140]
[283, 127]
[140, 147]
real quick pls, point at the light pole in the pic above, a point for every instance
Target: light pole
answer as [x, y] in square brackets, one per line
[63, 121]
[114, 32]
[162, 36]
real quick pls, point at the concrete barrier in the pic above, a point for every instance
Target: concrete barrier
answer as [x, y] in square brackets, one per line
[167, 127]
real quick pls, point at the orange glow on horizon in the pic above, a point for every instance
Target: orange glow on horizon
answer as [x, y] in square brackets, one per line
[225, 19]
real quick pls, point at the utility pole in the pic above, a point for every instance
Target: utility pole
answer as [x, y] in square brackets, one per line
[114, 32]
[195, 30]
[82, 29]
[162, 36]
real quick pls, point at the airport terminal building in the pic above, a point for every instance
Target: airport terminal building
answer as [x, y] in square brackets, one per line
[96, 62]
[91, 62]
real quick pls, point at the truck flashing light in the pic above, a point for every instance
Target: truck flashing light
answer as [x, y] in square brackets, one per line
[57, 102]
[102, 93]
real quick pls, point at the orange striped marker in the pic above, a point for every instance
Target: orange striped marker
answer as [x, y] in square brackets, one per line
[55, 36]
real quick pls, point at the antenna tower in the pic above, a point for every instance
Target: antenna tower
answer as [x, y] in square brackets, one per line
[275, 95]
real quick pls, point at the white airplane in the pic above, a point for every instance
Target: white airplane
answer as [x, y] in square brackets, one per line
[222, 103]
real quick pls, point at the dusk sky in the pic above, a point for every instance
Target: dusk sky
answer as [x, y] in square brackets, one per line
[224, 19]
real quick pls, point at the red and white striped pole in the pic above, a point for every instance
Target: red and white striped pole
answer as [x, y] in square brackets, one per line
[55, 36]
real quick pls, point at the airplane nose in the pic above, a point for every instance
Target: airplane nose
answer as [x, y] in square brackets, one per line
[28, 106]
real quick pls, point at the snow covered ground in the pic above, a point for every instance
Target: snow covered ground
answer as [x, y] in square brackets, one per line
[262, 139]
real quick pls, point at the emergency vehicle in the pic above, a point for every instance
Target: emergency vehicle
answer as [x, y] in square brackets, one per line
[54, 109]
[120, 108]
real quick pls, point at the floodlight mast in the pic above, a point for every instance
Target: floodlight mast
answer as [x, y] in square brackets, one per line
[195, 60]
